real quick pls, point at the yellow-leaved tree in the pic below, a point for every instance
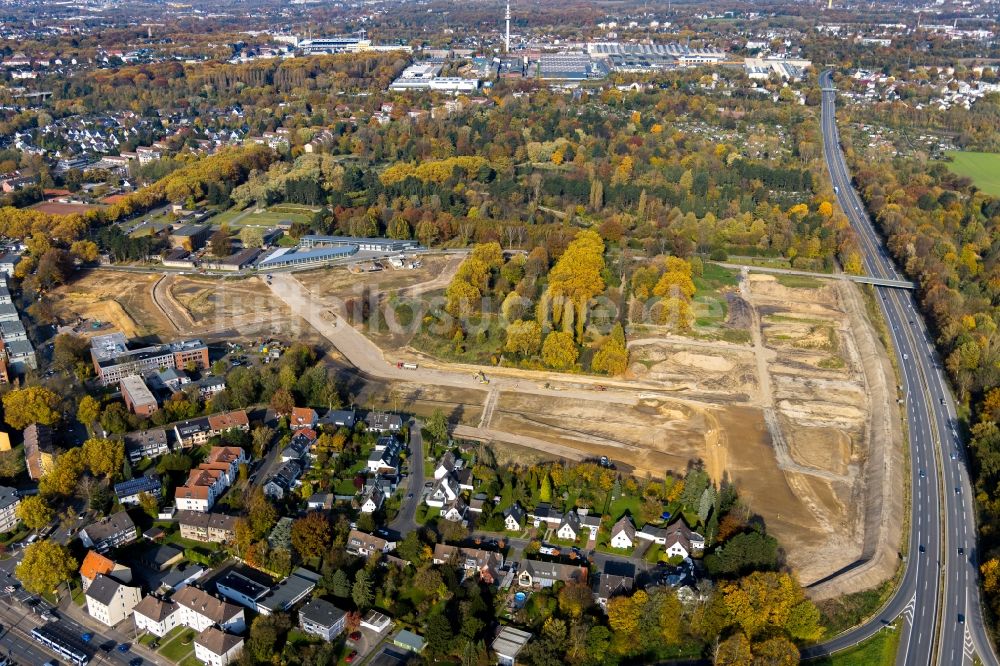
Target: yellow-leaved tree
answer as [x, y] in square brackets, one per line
[577, 277]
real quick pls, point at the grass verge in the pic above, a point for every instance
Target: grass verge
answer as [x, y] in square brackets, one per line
[879, 650]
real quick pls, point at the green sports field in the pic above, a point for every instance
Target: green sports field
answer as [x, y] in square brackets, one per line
[982, 168]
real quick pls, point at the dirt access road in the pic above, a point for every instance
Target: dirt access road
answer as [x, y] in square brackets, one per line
[787, 417]
[369, 359]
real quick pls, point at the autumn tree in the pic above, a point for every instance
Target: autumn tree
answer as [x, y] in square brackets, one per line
[46, 564]
[261, 514]
[559, 350]
[626, 618]
[64, 475]
[734, 651]
[311, 535]
[765, 601]
[282, 402]
[88, 411]
[575, 599]
[575, 279]
[12, 462]
[261, 437]
[104, 457]
[32, 404]
[68, 350]
[220, 243]
[612, 356]
[35, 512]
[149, 505]
[437, 426]
[523, 337]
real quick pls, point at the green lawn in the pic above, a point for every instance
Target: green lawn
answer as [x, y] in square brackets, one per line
[235, 217]
[710, 308]
[179, 648]
[879, 650]
[624, 504]
[799, 282]
[344, 487]
[982, 168]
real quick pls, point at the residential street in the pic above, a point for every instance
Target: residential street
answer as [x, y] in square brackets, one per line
[405, 520]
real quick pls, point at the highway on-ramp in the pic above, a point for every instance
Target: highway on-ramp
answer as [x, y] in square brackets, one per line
[938, 596]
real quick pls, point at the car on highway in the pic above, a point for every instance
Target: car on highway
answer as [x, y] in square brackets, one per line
[957, 490]
[87, 637]
[942, 401]
[922, 474]
[410, 496]
[135, 662]
[922, 549]
[124, 647]
[961, 551]
[954, 455]
[48, 617]
[961, 619]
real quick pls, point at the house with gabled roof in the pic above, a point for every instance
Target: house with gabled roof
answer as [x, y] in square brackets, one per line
[513, 517]
[200, 610]
[156, 615]
[445, 491]
[215, 647]
[617, 579]
[372, 500]
[366, 545]
[95, 564]
[484, 563]
[303, 417]
[110, 601]
[623, 534]
[454, 511]
[544, 514]
[547, 574]
[569, 527]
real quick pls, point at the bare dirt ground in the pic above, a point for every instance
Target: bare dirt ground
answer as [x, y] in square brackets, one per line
[786, 416]
[800, 418]
[119, 301]
[434, 273]
[206, 304]
[173, 306]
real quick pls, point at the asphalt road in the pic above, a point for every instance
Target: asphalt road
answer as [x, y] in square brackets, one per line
[938, 597]
[406, 519]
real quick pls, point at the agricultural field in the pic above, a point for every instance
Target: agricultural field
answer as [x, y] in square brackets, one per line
[982, 168]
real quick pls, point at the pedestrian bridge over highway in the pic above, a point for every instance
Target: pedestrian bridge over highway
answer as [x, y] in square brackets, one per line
[862, 279]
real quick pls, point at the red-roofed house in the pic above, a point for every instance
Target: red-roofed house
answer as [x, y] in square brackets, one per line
[303, 417]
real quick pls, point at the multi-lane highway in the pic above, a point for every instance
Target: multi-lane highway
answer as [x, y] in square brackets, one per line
[938, 597]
